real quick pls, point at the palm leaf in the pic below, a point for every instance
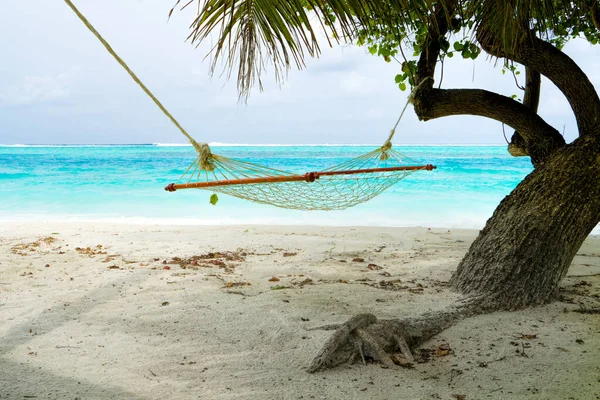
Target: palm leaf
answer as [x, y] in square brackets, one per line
[252, 34]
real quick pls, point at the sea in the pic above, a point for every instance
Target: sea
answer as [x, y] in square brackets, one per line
[125, 183]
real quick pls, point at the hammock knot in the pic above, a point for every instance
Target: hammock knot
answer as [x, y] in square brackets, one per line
[205, 162]
[311, 176]
[387, 146]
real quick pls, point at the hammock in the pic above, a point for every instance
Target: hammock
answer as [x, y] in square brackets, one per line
[345, 185]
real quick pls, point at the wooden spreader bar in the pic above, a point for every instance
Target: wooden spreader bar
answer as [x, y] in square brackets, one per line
[308, 177]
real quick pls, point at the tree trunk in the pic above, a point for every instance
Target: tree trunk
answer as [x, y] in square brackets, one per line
[518, 259]
[526, 247]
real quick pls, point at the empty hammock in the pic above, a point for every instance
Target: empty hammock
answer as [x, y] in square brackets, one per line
[339, 187]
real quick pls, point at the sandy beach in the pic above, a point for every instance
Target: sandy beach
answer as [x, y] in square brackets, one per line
[118, 311]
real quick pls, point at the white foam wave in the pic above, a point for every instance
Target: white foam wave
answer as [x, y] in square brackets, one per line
[171, 144]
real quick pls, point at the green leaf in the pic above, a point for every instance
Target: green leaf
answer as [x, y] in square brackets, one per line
[402, 86]
[214, 199]
[398, 78]
[458, 46]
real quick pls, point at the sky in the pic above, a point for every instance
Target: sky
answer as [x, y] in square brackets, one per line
[58, 85]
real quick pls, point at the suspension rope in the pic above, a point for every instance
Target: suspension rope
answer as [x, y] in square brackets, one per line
[408, 101]
[202, 149]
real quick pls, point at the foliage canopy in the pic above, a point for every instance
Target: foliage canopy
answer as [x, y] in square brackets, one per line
[254, 33]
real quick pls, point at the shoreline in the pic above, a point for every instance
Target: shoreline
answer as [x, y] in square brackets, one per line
[121, 311]
[13, 223]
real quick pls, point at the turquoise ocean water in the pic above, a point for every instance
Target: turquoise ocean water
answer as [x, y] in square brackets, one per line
[125, 183]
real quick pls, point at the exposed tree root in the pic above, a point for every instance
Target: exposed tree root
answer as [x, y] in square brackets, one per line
[389, 342]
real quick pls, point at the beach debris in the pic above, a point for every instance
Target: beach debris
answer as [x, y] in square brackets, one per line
[304, 319]
[378, 250]
[579, 341]
[442, 350]
[280, 287]
[417, 289]
[528, 336]
[374, 267]
[385, 273]
[237, 284]
[164, 303]
[358, 259]
[166, 267]
[290, 254]
[274, 279]
[303, 282]
[110, 258]
[47, 266]
[459, 396]
[582, 283]
[392, 284]
[24, 249]
[91, 251]
[399, 359]
[223, 260]
[425, 355]
[114, 266]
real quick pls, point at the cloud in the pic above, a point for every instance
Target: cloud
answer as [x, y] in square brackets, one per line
[37, 89]
[354, 82]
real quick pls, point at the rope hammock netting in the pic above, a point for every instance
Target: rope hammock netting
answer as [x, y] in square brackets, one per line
[345, 185]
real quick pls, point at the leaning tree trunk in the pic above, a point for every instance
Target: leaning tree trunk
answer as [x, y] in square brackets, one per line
[517, 260]
[526, 247]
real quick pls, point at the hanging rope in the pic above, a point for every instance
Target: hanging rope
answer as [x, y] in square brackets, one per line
[388, 143]
[135, 77]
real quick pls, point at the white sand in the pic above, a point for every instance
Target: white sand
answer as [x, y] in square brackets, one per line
[129, 329]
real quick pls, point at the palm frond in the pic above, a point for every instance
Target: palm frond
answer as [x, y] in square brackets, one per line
[252, 33]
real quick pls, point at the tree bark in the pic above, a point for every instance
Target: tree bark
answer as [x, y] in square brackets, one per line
[526, 247]
[518, 146]
[542, 139]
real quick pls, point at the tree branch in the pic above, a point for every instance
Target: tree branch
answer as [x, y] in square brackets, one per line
[542, 138]
[518, 146]
[556, 66]
[435, 103]
[431, 49]
[594, 10]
